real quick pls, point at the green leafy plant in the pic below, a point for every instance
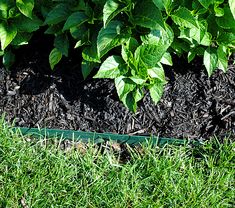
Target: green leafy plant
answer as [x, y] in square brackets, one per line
[158, 29]
[130, 40]
[78, 21]
[17, 22]
[207, 29]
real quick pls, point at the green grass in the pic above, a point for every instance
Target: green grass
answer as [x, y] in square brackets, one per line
[46, 176]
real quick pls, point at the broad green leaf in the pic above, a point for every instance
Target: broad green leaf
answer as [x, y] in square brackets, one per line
[200, 35]
[210, 60]
[57, 14]
[8, 59]
[161, 38]
[111, 9]
[157, 73]
[75, 19]
[129, 101]
[7, 34]
[191, 55]
[232, 7]
[206, 3]
[87, 68]
[184, 18]
[163, 5]
[138, 94]
[227, 39]
[146, 14]
[91, 13]
[124, 85]
[196, 5]
[201, 11]
[61, 42]
[166, 59]
[180, 47]
[89, 53]
[21, 38]
[111, 37]
[81, 5]
[54, 57]
[159, 4]
[54, 29]
[147, 56]
[206, 40]
[227, 21]
[125, 88]
[132, 44]
[112, 67]
[222, 58]
[156, 91]
[137, 80]
[185, 34]
[24, 24]
[152, 38]
[25, 7]
[128, 49]
[212, 26]
[80, 33]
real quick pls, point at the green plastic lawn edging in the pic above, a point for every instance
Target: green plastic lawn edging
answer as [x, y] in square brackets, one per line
[100, 137]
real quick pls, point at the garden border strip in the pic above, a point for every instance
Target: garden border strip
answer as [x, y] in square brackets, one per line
[101, 137]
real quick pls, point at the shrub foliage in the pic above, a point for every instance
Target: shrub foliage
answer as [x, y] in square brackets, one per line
[129, 40]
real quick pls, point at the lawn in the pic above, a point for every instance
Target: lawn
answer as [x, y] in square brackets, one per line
[33, 174]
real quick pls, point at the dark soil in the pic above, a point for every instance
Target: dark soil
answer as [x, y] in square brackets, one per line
[193, 106]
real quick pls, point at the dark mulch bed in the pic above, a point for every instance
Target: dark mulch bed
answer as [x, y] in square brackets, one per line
[193, 105]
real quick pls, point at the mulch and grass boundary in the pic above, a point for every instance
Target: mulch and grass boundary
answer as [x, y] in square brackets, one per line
[40, 173]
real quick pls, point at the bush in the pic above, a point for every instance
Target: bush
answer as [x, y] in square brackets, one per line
[128, 39]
